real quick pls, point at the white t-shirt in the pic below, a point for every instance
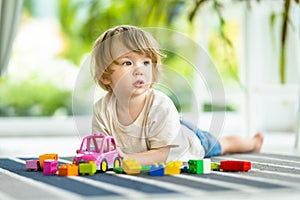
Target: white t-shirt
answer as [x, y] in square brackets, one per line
[157, 126]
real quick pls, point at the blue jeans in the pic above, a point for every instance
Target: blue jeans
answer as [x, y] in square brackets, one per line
[211, 145]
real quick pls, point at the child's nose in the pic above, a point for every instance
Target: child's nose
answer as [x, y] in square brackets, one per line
[138, 69]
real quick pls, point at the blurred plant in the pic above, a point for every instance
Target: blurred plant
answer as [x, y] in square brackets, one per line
[83, 21]
[217, 5]
[27, 97]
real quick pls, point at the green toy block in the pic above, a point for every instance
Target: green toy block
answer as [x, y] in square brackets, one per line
[118, 170]
[199, 166]
[145, 168]
[87, 168]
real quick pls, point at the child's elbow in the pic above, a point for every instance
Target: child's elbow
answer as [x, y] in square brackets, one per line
[164, 153]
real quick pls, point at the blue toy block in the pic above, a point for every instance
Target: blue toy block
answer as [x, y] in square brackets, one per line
[157, 170]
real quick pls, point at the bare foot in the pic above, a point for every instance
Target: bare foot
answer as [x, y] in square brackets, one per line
[258, 141]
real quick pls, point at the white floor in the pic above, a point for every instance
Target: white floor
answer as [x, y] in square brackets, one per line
[33, 137]
[281, 143]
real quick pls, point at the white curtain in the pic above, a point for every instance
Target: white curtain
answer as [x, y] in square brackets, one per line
[10, 14]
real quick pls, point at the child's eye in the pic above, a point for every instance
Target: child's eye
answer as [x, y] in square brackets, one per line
[147, 63]
[127, 63]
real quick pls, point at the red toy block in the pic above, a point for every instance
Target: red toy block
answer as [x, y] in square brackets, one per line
[68, 170]
[32, 165]
[50, 167]
[235, 165]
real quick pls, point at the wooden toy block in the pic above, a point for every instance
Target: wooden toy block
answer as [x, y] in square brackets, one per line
[199, 166]
[131, 166]
[235, 165]
[68, 170]
[50, 167]
[32, 165]
[157, 170]
[87, 168]
[47, 156]
[173, 168]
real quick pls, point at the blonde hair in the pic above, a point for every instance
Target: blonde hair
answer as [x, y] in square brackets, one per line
[131, 38]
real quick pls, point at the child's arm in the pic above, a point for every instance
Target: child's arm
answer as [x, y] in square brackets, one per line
[148, 157]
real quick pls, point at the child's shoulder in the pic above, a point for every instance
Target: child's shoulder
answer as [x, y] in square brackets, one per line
[161, 98]
[103, 101]
[160, 95]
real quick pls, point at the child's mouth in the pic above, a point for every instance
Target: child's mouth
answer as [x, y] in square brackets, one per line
[138, 83]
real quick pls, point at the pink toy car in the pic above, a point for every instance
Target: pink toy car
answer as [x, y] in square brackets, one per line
[101, 149]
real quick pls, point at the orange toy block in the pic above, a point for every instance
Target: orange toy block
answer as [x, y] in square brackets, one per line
[68, 170]
[47, 156]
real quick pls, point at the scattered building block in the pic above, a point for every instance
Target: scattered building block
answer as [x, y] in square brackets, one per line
[157, 170]
[145, 168]
[87, 168]
[235, 165]
[173, 168]
[185, 169]
[131, 166]
[47, 156]
[33, 165]
[68, 170]
[215, 166]
[199, 166]
[50, 167]
[118, 170]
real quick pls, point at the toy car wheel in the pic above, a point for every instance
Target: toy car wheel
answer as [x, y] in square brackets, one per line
[117, 162]
[103, 165]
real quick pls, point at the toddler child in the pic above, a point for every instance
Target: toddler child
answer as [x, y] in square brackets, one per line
[144, 121]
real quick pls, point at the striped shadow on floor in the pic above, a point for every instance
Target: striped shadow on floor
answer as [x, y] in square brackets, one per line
[270, 174]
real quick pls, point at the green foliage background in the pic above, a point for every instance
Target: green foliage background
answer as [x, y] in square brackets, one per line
[82, 21]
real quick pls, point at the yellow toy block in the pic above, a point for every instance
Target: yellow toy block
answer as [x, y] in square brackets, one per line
[173, 168]
[47, 156]
[131, 166]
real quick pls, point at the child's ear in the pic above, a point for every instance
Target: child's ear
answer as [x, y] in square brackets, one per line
[105, 80]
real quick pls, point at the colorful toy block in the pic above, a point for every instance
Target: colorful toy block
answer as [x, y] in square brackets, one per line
[87, 168]
[199, 166]
[68, 170]
[50, 167]
[131, 166]
[33, 165]
[47, 156]
[235, 165]
[118, 170]
[185, 169]
[157, 170]
[215, 166]
[173, 168]
[145, 168]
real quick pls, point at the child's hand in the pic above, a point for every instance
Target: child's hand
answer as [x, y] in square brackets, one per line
[121, 153]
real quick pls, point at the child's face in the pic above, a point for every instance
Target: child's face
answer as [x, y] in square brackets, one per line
[132, 74]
